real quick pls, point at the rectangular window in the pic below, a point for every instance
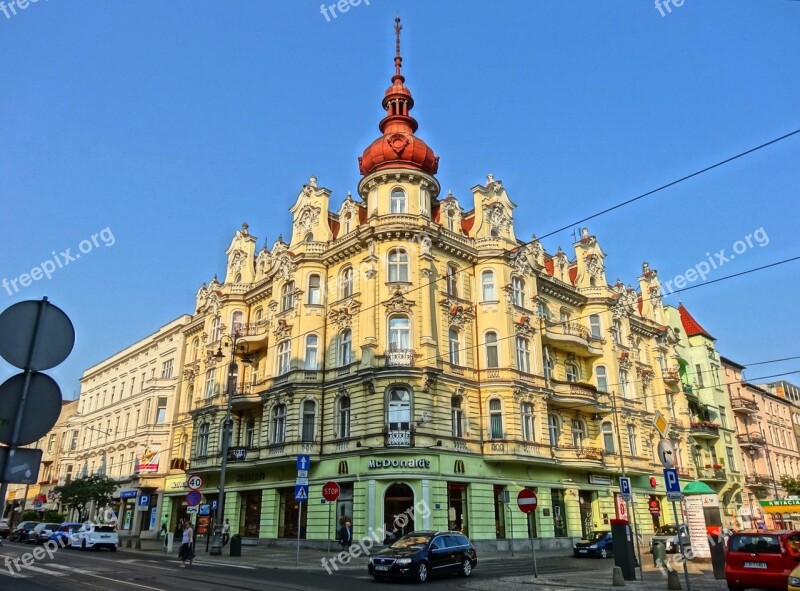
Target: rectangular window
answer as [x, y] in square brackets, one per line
[166, 369]
[523, 355]
[211, 378]
[161, 411]
[730, 456]
[699, 373]
[73, 444]
[594, 326]
[723, 418]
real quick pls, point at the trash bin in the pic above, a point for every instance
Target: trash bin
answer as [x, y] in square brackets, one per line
[236, 545]
[659, 553]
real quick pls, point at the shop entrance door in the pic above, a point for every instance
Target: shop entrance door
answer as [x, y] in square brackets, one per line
[585, 500]
[398, 501]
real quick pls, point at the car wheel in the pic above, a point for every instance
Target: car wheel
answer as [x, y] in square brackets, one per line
[466, 567]
[603, 553]
[421, 574]
[113, 548]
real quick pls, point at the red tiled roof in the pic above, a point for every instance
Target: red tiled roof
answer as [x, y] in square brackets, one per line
[549, 266]
[362, 214]
[573, 272]
[467, 223]
[334, 225]
[641, 303]
[690, 325]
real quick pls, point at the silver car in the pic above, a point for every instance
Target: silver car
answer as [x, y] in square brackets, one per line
[671, 536]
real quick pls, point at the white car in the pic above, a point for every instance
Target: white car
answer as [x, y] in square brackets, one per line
[90, 535]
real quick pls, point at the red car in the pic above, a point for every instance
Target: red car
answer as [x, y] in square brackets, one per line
[761, 559]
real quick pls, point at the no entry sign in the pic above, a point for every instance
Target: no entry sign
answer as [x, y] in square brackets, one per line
[527, 501]
[331, 491]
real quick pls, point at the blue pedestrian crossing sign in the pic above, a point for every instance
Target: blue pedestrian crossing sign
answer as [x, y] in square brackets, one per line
[303, 462]
[301, 492]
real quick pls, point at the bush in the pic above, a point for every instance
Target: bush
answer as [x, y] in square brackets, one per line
[54, 517]
[30, 515]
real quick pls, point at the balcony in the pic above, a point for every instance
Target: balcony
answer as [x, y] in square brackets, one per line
[577, 396]
[744, 406]
[572, 454]
[751, 440]
[572, 337]
[402, 438]
[757, 481]
[672, 376]
[704, 430]
[712, 474]
[243, 395]
[400, 358]
[239, 454]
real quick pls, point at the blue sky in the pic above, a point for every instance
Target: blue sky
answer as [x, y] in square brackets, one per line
[171, 123]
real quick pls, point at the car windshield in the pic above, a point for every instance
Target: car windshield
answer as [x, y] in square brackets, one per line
[596, 535]
[666, 530]
[759, 544]
[411, 541]
[51, 526]
[104, 528]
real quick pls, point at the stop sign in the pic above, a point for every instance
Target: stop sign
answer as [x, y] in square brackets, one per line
[527, 501]
[331, 490]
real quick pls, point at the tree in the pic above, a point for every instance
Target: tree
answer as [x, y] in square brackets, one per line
[790, 484]
[78, 493]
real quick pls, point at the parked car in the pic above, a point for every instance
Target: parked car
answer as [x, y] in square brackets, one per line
[669, 536]
[761, 559]
[41, 533]
[20, 533]
[420, 554]
[63, 533]
[597, 543]
[90, 535]
[794, 579]
[5, 529]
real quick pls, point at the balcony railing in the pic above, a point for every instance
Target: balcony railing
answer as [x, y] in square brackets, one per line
[715, 474]
[585, 453]
[399, 438]
[704, 429]
[572, 393]
[399, 358]
[757, 481]
[743, 405]
[752, 440]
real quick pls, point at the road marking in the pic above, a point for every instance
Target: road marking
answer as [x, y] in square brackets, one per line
[81, 571]
[202, 563]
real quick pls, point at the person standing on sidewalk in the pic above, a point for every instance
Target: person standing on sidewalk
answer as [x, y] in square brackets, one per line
[226, 532]
[345, 535]
[163, 529]
[187, 545]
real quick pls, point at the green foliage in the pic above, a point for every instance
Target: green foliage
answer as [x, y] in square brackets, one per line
[790, 484]
[78, 493]
[54, 517]
[30, 515]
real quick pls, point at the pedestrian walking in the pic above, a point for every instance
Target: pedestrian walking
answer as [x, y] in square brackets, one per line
[346, 535]
[163, 530]
[226, 532]
[187, 545]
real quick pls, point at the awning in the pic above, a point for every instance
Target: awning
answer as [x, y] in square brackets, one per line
[781, 506]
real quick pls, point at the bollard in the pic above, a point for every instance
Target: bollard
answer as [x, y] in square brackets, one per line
[673, 581]
[617, 578]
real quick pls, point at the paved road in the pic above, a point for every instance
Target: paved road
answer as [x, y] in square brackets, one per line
[73, 570]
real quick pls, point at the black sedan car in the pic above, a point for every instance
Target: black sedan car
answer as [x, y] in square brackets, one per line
[21, 531]
[420, 554]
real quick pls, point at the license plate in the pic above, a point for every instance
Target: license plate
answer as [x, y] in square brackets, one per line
[755, 565]
[382, 568]
[106, 537]
[583, 551]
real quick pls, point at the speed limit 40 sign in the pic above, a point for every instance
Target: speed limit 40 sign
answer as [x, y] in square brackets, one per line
[194, 482]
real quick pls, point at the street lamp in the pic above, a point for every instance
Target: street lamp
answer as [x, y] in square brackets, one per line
[233, 371]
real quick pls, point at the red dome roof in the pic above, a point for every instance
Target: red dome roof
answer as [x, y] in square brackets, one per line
[398, 146]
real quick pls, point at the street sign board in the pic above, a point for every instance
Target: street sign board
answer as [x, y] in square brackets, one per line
[666, 453]
[39, 323]
[527, 501]
[194, 482]
[303, 481]
[661, 424]
[621, 507]
[193, 498]
[38, 505]
[625, 487]
[671, 481]
[331, 491]
[143, 502]
[41, 410]
[21, 466]
[302, 473]
[205, 509]
[301, 493]
[303, 462]
[192, 510]
[675, 496]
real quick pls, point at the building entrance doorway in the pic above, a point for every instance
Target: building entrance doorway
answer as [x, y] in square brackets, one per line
[398, 514]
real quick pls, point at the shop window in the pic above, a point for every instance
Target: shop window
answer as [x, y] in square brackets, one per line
[288, 513]
[250, 514]
[500, 494]
[457, 519]
[559, 513]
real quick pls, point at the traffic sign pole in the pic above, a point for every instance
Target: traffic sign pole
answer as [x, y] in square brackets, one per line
[680, 545]
[330, 524]
[533, 548]
[299, 520]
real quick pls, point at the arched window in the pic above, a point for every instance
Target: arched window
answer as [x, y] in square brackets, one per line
[309, 417]
[595, 329]
[601, 375]
[279, 424]
[399, 414]
[554, 429]
[632, 440]
[399, 333]
[495, 419]
[457, 416]
[571, 369]
[284, 356]
[454, 341]
[526, 409]
[487, 283]
[250, 433]
[211, 382]
[202, 439]
[452, 280]
[492, 353]
[312, 347]
[451, 220]
[398, 201]
[398, 265]
[216, 329]
[624, 387]
[195, 349]
[608, 437]
[238, 278]
[259, 315]
[344, 417]
[616, 332]
[309, 237]
[237, 322]
[287, 296]
[549, 364]
[542, 311]
[314, 290]
[346, 225]
[346, 282]
[578, 433]
[523, 355]
[345, 347]
[518, 291]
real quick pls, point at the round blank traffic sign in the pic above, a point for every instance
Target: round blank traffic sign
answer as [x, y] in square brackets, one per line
[25, 347]
[527, 501]
[42, 407]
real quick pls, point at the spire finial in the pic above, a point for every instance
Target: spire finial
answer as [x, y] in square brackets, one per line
[398, 60]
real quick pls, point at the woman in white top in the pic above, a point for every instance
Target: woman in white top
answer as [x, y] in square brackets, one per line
[187, 549]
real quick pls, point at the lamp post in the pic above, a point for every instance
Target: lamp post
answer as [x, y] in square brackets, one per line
[233, 370]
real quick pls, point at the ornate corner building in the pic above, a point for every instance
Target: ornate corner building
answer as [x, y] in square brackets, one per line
[425, 357]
